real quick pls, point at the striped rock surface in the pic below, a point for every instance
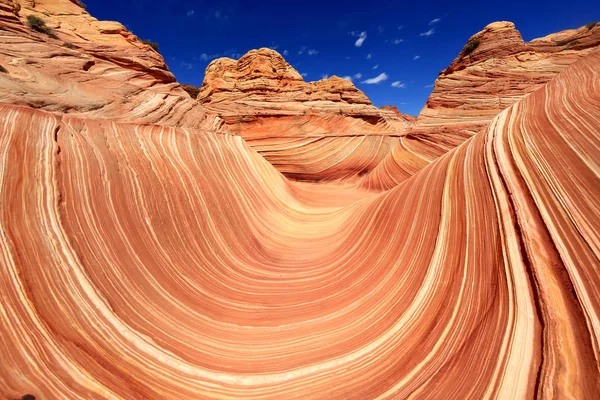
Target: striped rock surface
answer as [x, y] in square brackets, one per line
[145, 261]
[314, 131]
[475, 88]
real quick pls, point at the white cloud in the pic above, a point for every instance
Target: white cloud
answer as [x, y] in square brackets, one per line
[400, 27]
[428, 86]
[428, 33]
[380, 29]
[379, 78]
[369, 56]
[348, 77]
[434, 21]
[324, 76]
[358, 76]
[348, 57]
[375, 67]
[302, 50]
[304, 74]
[398, 84]
[231, 53]
[398, 41]
[416, 57]
[191, 13]
[361, 38]
[285, 52]
[186, 65]
[312, 52]
[218, 14]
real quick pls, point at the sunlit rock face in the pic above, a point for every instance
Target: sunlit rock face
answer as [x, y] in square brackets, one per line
[324, 130]
[495, 69]
[86, 69]
[148, 254]
[501, 70]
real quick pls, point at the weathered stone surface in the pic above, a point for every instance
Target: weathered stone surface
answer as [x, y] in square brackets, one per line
[264, 76]
[86, 71]
[308, 130]
[500, 71]
[476, 87]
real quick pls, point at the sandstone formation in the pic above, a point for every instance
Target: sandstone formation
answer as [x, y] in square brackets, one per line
[87, 69]
[147, 250]
[494, 70]
[308, 130]
[157, 262]
[501, 70]
[406, 117]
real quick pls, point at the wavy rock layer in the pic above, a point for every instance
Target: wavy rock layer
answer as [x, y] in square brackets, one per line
[476, 87]
[159, 262]
[325, 130]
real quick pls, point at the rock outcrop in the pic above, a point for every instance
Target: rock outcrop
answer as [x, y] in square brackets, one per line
[499, 71]
[87, 69]
[408, 118]
[308, 130]
[495, 69]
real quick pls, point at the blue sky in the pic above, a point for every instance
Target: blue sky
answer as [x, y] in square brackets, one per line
[400, 45]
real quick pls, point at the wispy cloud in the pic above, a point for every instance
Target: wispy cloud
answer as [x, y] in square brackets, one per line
[304, 74]
[378, 79]
[428, 33]
[369, 56]
[312, 52]
[358, 76]
[186, 65]
[302, 50]
[324, 76]
[348, 77]
[398, 84]
[191, 13]
[434, 21]
[400, 27]
[285, 52]
[416, 57]
[214, 17]
[428, 86]
[380, 29]
[398, 41]
[231, 53]
[376, 66]
[361, 38]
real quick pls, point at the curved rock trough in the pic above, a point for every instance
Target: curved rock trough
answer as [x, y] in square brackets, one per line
[164, 254]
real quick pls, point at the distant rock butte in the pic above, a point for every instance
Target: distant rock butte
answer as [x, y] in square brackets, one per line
[406, 117]
[318, 130]
[264, 75]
